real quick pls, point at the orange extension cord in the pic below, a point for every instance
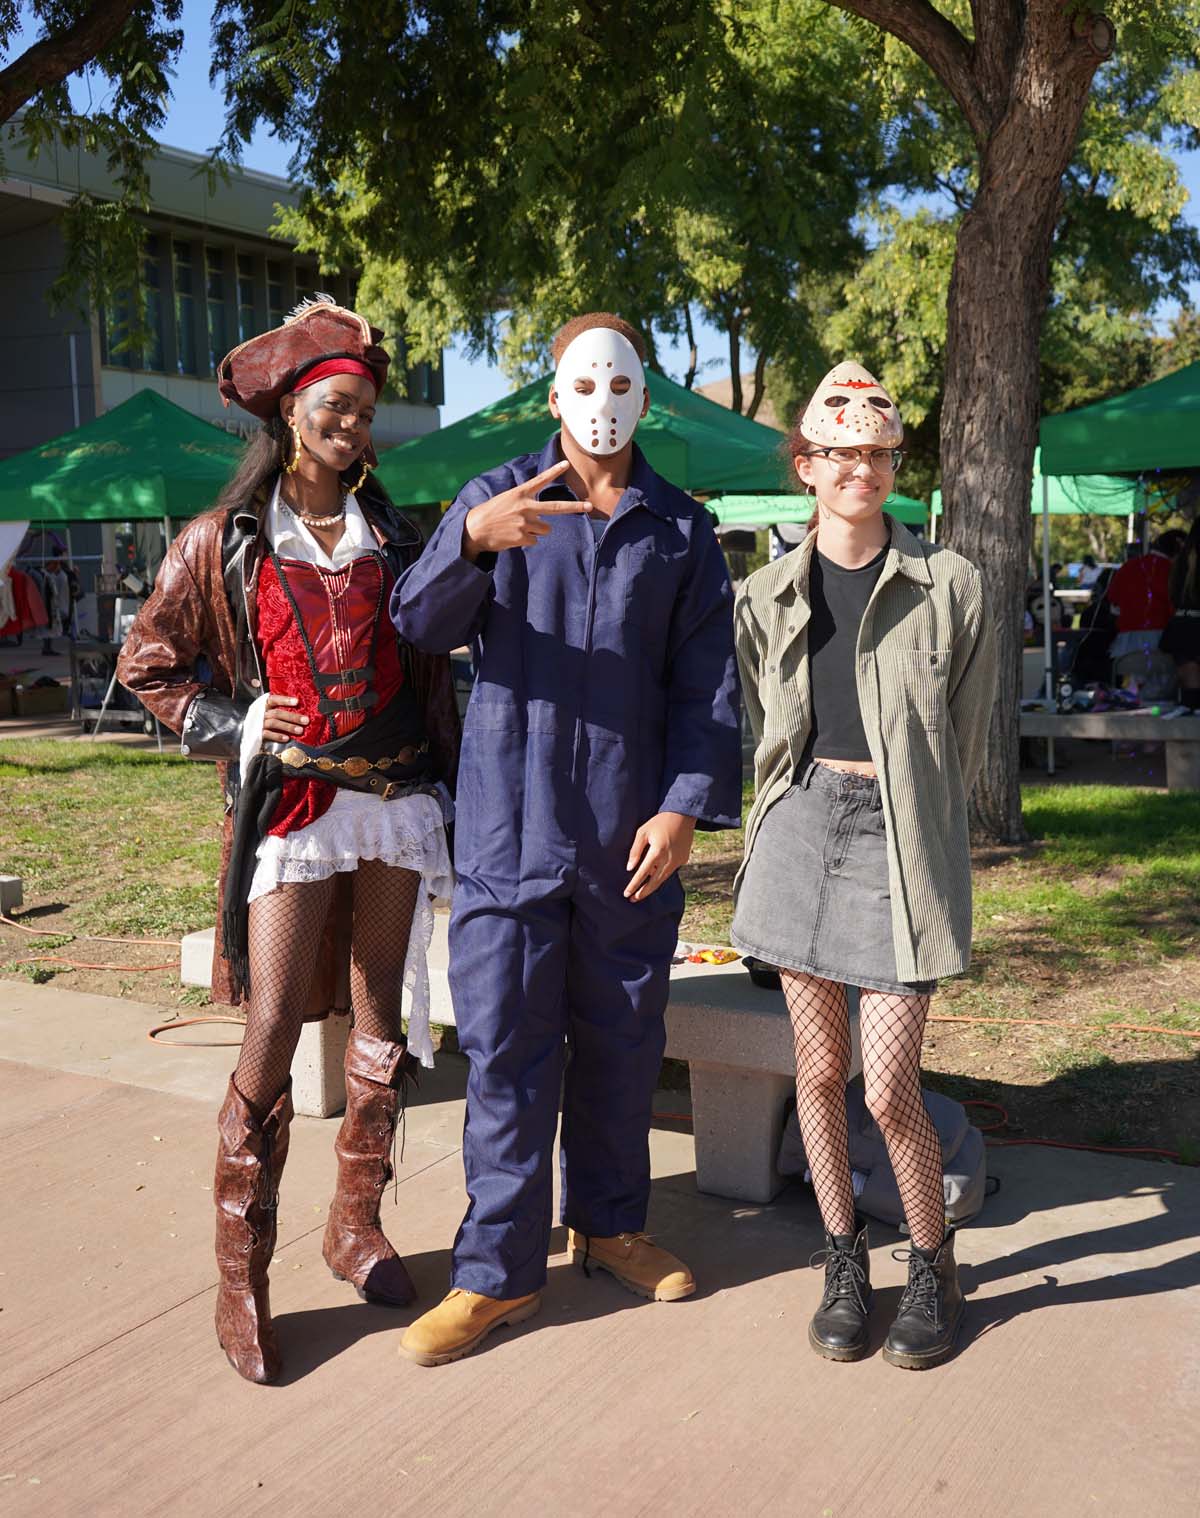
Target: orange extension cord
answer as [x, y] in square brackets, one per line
[79, 964]
[666, 1117]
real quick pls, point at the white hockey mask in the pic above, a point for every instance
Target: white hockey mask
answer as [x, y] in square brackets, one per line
[600, 419]
[851, 409]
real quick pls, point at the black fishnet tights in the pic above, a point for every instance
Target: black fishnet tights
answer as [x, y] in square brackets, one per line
[285, 934]
[892, 1028]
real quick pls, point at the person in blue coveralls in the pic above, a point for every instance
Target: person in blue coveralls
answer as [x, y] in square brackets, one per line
[603, 728]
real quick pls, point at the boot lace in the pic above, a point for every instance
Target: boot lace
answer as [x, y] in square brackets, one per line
[844, 1276]
[921, 1293]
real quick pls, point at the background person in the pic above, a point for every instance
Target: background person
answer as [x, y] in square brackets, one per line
[336, 738]
[868, 670]
[1140, 593]
[1181, 636]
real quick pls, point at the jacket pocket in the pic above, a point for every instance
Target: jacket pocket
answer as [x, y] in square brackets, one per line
[926, 676]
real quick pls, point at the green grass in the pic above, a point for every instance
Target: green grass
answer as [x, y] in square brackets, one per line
[128, 841]
[1115, 878]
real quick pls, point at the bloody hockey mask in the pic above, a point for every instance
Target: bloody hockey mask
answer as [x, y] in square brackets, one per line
[851, 409]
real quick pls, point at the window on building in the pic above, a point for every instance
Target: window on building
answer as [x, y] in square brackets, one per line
[274, 293]
[116, 350]
[152, 354]
[114, 330]
[245, 294]
[185, 308]
[214, 294]
[306, 284]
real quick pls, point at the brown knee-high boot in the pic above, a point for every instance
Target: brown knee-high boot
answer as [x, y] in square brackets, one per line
[355, 1248]
[250, 1160]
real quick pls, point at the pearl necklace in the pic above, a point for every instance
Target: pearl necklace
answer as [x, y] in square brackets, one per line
[311, 521]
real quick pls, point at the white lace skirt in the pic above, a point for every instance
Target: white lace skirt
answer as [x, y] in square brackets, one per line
[408, 833]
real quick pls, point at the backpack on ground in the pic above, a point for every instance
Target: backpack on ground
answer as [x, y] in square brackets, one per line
[964, 1159]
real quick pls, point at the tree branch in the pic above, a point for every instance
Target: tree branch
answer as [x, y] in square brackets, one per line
[939, 43]
[760, 374]
[51, 60]
[949, 189]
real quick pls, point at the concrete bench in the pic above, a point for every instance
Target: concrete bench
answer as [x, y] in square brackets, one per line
[1181, 735]
[735, 1036]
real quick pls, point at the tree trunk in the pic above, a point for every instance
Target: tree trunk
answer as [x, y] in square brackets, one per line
[989, 424]
[689, 378]
[735, 362]
[760, 376]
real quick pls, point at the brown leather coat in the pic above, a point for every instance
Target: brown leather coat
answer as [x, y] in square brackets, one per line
[192, 659]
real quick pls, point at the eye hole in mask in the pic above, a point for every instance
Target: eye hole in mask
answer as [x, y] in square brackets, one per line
[584, 386]
[836, 400]
[620, 384]
[878, 400]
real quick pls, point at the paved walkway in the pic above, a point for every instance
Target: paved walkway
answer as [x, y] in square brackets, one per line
[1074, 1392]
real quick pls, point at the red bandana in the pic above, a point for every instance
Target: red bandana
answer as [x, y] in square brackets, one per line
[330, 366]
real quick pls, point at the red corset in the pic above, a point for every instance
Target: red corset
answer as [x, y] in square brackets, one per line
[341, 610]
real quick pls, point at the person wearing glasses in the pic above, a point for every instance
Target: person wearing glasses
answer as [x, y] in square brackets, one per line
[868, 669]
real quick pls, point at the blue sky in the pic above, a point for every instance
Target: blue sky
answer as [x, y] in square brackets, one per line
[196, 110]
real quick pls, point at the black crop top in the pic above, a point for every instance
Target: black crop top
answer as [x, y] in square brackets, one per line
[838, 597]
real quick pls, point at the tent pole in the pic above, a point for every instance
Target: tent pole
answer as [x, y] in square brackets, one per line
[166, 527]
[1047, 629]
[933, 521]
[74, 604]
[74, 379]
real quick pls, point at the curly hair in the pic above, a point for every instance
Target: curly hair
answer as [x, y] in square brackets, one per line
[569, 331]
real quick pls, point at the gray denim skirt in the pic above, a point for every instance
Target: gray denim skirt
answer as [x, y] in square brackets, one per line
[815, 895]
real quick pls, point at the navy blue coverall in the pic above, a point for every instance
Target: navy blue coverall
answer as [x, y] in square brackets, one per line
[606, 692]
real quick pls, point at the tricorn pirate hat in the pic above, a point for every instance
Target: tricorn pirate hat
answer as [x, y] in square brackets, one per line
[258, 373]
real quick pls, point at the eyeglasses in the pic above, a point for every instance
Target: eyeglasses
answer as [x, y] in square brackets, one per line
[850, 458]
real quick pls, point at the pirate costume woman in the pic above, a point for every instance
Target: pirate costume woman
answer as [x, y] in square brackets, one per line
[268, 620]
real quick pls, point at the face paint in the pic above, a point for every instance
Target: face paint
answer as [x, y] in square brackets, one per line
[850, 408]
[600, 418]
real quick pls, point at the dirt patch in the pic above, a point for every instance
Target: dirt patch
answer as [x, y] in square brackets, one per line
[1077, 1079]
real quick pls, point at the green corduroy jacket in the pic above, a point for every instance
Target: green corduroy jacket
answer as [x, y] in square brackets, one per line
[926, 676]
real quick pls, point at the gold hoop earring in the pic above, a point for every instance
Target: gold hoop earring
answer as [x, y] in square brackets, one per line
[294, 462]
[362, 479]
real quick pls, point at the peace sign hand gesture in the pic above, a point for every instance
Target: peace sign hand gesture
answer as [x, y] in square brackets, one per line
[516, 518]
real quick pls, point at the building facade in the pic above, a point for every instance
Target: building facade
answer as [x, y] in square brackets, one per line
[215, 275]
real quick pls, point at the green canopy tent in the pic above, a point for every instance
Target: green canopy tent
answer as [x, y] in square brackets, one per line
[1156, 426]
[690, 440]
[765, 510]
[146, 458]
[1095, 495]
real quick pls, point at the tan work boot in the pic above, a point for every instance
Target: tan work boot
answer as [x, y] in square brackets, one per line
[639, 1265]
[460, 1323]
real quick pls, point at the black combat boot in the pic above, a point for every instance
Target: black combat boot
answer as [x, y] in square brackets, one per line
[838, 1330]
[930, 1310]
